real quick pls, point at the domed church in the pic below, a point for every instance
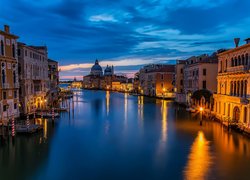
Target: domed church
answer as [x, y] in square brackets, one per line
[96, 69]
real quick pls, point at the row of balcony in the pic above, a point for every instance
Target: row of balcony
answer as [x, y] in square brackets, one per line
[8, 86]
[241, 68]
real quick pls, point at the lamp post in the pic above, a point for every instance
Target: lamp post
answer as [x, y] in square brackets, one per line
[201, 111]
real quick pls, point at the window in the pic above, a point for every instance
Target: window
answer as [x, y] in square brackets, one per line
[19, 52]
[25, 52]
[15, 106]
[13, 51]
[197, 72]
[193, 73]
[246, 59]
[14, 76]
[4, 95]
[204, 84]
[4, 108]
[2, 48]
[204, 72]
[181, 71]
[3, 76]
[15, 94]
[162, 76]
[181, 82]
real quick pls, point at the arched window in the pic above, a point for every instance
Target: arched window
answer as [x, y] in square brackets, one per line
[245, 90]
[245, 114]
[14, 76]
[232, 62]
[235, 62]
[3, 76]
[2, 48]
[234, 88]
[13, 51]
[241, 88]
[231, 88]
[239, 60]
[243, 60]
[246, 59]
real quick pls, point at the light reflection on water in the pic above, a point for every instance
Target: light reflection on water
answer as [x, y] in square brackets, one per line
[199, 159]
[119, 136]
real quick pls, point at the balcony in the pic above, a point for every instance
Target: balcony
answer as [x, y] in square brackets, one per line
[16, 85]
[5, 85]
[241, 68]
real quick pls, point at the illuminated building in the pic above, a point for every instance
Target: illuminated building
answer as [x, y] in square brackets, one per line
[233, 90]
[53, 74]
[194, 74]
[157, 80]
[9, 84]
[33, 74]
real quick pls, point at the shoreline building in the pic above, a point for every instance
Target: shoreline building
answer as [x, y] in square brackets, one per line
[9, 84]
[233, 90]
[196, 75]
[53, 75]
[157, 80]
[33, 74]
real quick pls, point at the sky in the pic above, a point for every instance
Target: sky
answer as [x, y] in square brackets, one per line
[125, 33]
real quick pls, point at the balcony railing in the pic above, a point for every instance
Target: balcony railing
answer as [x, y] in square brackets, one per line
[5, 85]
[241, 68]
[16, 85]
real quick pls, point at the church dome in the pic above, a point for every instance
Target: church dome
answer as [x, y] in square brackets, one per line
[96, 69]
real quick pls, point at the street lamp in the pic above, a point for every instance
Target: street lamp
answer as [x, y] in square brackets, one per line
[201, 110]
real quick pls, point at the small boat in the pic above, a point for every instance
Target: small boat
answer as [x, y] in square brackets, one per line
[49, 115]
[192, 110]
[24, 129]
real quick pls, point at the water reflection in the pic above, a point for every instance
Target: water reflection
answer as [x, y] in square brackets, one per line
[164, 125]
[140, 109]
[107, 101]
[199, 159]
[125, 110]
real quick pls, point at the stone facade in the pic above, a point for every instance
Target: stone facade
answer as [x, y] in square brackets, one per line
[233, 90]
[33, 74]
[195, 73]
[157, 80]
[53, 83]
[9, 84]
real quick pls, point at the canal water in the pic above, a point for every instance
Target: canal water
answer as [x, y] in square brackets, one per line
[118, 136]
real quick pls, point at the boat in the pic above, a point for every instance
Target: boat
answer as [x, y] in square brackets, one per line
[49, 115]
[192, 110]
[24, 129]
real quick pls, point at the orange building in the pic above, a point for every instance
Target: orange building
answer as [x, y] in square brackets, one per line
[232, 101]
[157, 80]
[9, 75]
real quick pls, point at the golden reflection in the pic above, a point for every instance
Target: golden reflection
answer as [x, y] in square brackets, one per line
[107, 101]
[199, 160]
[140, 107]
[45, 129]
[164, 125]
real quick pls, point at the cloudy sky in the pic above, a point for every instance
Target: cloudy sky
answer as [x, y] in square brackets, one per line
[125, 33]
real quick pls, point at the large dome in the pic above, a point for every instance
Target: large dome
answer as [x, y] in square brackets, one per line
[96, 69]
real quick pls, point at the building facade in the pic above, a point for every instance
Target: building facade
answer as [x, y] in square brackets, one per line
[9, 84]
[157, 80]
[233, 90]
[33, 75]
[194, 74]
[53, 81]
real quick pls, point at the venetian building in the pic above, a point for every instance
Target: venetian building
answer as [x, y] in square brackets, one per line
[196, 74]
[9, 84]
[233, 90]
[33, 74]
[53, 83]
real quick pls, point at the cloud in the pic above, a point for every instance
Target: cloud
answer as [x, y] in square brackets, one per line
[103, 17]
[126, 33]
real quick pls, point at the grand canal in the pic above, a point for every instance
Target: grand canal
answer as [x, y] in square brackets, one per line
[117, 136]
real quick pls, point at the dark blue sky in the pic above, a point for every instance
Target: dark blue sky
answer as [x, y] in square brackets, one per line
[125, 33]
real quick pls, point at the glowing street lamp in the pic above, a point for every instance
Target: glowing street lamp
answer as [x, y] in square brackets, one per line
[201, 109]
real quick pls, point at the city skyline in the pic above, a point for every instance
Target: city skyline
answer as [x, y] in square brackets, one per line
[125, 34]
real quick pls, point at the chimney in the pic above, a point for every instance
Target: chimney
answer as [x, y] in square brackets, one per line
[6, 28]
[236, 41]
[247, 41]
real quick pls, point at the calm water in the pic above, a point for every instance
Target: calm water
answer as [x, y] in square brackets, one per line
[118, 136]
